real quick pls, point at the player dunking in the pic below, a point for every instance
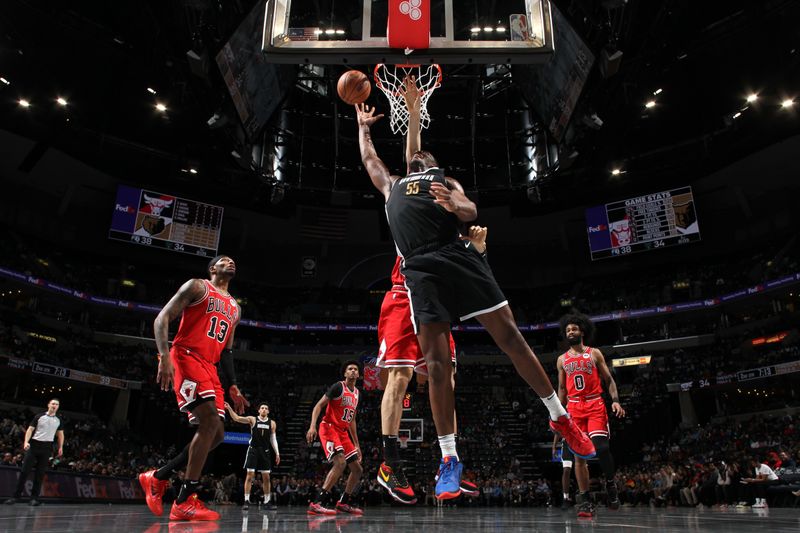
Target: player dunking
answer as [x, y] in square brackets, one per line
[339, 438]
[262, 434]
[446, 282]
[580, 370]
[399, 353]
[209, 316]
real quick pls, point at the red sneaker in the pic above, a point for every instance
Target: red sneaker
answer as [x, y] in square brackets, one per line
[153, 491]
[192, 509]
[319, 509]
[469, 488]
[345, 508]
[395, 482]
[580, 443]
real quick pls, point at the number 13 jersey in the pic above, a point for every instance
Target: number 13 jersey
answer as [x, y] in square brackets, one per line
[207, 323]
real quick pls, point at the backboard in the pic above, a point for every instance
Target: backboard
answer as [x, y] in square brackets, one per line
[354, 32]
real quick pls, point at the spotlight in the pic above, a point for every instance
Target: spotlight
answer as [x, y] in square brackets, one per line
[752, 97]
[161, 107]
[786, 104]
[339, 32]
[650, 104]
[151, 90]
[318, 32]
[616, 172]
[23, 103]
[500, 29]
[5, 81]
[61, 101]
[737, 114]
[475, 29]
[488, 29]
[657, 92]
[330, 32]
[192, 171]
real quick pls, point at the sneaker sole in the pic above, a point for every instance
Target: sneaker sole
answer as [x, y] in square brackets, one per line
[385, 485]
[448, 495]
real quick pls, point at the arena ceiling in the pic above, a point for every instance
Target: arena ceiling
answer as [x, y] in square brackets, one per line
[698, 61]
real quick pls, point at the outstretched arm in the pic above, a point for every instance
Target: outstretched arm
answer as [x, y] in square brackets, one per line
[605, 373]
[249, 420]
[377, 170]
[414, 134]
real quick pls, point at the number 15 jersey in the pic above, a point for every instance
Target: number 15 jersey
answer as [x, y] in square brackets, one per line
[342, 405]
[207, 323]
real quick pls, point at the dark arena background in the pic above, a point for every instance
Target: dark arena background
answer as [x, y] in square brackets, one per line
[635, 161]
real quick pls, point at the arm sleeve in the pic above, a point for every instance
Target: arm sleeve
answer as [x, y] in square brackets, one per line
[335, 390]
[226, 363]
[274, 442]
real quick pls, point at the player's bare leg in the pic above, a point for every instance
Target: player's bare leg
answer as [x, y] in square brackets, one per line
[390, 473]
[210, 432]
[320, 505]
[248, 485]
[345, 504]
[434, 340]
[583, 501]
[501, 326]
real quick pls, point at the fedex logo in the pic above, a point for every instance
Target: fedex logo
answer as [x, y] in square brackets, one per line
[597, 228]
[125, 209]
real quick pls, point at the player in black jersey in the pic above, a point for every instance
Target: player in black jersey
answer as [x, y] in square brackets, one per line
[447, 281]
[262, 434]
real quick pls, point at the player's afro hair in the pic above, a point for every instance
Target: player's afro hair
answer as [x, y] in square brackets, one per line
[580, 320]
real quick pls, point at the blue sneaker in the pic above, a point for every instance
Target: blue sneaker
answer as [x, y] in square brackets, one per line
[448, 485]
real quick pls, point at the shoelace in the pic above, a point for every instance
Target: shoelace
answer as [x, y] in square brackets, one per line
[445, 468]
[400, 478]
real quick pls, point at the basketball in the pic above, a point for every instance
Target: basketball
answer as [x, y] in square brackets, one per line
[353, 87]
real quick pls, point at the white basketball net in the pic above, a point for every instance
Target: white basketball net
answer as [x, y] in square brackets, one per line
[389, 79]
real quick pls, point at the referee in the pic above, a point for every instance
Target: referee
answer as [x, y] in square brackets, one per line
[38, 446]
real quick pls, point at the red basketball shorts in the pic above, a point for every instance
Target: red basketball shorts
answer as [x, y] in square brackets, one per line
[335, 439]
[195, 380]
[590, 416]
[398, 342]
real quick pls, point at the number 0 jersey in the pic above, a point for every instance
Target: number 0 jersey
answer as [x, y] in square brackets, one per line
[582, 376]
[206, 324]
[342, 405]
[416, 222]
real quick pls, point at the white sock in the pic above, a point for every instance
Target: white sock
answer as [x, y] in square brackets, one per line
[554, 406]
[448, 445]
[566, 496]
[267, 497]
[246, 497]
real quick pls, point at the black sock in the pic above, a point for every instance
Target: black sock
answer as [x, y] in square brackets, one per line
[166, 471]
[345, 499]
[391, 455]
[188, 488]
[323, 497]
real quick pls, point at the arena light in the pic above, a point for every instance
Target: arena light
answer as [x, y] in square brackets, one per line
[151, 90]
[488, 29]
[617, 171]
[752, 97]
[5, 81]
[475, 29]
[657, 92]
[786, 104]
[650, 104]
[24, 103]
[330, 31]
[500, 29]
[192, 171]
[737, 114]
[62, 101]
[339, 32]
[161, 107]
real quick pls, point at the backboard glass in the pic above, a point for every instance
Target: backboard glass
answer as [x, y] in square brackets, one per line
[354, 32]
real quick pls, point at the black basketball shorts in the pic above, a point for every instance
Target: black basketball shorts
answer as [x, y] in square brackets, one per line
[259, 459]
[450, 283]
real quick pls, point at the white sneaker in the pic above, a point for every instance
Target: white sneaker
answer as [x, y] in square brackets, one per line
[759, 504]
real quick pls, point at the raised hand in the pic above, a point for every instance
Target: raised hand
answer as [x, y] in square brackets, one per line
[366, 115]
[410, 93]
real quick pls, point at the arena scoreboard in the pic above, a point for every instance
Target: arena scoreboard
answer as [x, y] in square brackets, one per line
[150, 218]
[648, 222]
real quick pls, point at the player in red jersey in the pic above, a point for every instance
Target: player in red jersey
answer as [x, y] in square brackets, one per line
[339, 438]
[580, 370]
[209, 316]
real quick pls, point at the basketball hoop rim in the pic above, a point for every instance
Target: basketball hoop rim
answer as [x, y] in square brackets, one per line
[407, 65]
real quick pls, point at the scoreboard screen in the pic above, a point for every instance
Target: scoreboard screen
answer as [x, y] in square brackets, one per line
[643, 223]
[150, 218]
